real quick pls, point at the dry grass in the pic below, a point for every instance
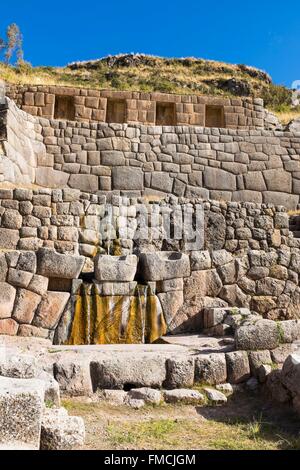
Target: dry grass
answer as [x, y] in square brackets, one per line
[243, 424]
[287, 116]
[182, 76]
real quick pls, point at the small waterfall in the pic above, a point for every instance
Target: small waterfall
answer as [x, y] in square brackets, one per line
[116, 319]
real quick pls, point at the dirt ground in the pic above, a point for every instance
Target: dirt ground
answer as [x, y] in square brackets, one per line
[246, 422]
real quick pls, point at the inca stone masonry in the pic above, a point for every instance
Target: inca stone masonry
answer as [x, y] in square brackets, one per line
[68, 152]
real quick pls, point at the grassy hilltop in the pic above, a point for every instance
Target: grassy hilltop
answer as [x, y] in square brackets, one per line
[148, 73]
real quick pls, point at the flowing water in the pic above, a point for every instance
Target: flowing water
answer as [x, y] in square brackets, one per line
[116, 319]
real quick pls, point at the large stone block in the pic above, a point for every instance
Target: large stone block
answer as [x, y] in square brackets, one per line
[254, 181]
[18, 366]
[164, 265]
[8, 238]
[200, 260]
[278, 180]
[162, 182]
[11, 219]
[211, 368]
[88, 183]
[264, 334]
[214, 178]
[7, 298]
[127, 178]
[290, 201]
[53, 264]
[21, 408]
[170, 302]
[8, 326]
[25, 305]
[115, 268]
[202, 284]
[180, 372]
[50, 309]
[238, 369]
[135, 371]
[73, 377]
[45, 176]
[112, 158]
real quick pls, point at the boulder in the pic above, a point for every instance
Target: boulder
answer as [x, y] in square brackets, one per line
[60, 431]
[215, 396]
[9, 238]
[148, 395]
[215, 178]
[226, 388]
[21, 408]
[214, 316]
[135, 403]
[164, 265]
[115, 397]
[184, 395]
[115, 268]
[19, 278]
[221, 257]
[52, 264]
[3, 267]
[290, 330]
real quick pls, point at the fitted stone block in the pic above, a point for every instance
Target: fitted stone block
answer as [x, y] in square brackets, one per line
[53, 264]
[127, 178]
[164, 265]
[115, 268]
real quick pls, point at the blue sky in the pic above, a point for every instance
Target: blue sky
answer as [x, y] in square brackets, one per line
[262, 33]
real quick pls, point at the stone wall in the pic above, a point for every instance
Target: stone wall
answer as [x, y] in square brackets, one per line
[220, 164]
[91, 105]
[260, 166]
[248, 257]
[74, 222]
[21, 145]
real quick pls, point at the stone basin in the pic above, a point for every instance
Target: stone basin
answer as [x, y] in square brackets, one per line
[115, 268]
[164, 265]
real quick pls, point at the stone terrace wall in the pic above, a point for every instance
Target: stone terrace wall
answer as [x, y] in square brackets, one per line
[69, 221]
[222, 164]
[249, 258]
[90, 105]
